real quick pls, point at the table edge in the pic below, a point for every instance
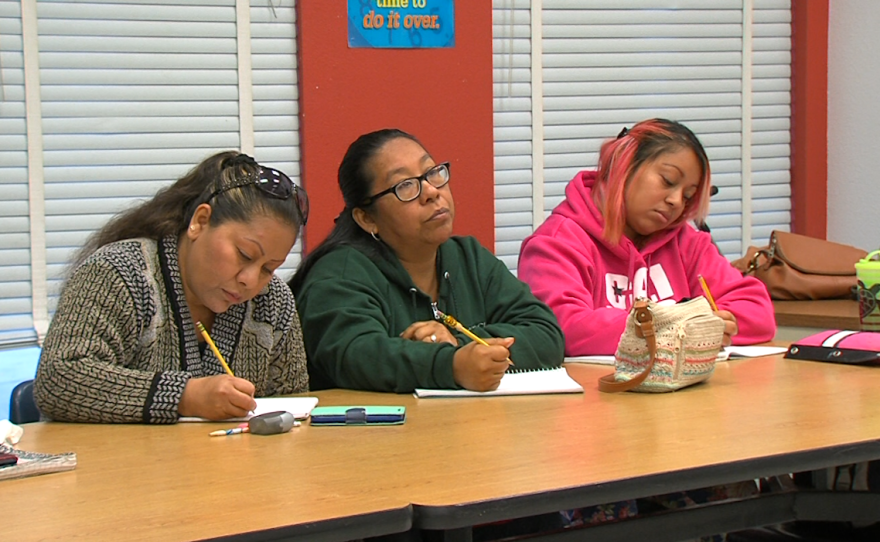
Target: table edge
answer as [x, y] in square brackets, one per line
[467, 514]
[339, 529]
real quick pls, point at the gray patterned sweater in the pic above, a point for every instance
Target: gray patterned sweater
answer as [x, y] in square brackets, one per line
[122, 344]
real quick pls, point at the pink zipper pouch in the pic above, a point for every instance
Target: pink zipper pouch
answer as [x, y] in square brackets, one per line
[838, 346]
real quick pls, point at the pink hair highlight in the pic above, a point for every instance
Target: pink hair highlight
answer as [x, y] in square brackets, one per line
[619, 159]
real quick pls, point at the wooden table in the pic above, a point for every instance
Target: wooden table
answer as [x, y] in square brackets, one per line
[824, 313]
[136, 482]
[754, 418]
[466, 461]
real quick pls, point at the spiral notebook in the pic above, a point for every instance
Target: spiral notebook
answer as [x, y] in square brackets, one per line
[527, 382]
[33, 463]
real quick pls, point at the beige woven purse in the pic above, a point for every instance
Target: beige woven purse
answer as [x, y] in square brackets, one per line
[665, 347]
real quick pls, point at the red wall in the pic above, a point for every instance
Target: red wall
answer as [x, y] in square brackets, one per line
[442, 96]
[809, 117]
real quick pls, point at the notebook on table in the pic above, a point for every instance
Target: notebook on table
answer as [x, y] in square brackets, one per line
[33, 463]
[300, 407]
[526, 382]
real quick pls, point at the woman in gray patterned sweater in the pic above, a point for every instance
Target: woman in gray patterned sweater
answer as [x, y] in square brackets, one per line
[123, 346]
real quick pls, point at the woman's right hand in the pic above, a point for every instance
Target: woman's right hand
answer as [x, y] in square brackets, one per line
[730, 326]
[478, 367]
[217, 397]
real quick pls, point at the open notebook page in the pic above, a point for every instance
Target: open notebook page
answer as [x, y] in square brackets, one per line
[518, 383]
[300, 407]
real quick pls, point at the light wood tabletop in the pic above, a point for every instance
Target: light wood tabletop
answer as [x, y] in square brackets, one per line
[754, 418]
[456, 462]
[137, 482]
[821, 313]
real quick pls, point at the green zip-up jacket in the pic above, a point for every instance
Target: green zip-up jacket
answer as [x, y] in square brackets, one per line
[353, 309]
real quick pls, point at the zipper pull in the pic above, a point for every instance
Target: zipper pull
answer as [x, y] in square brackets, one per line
[436, 311]
[680, 336]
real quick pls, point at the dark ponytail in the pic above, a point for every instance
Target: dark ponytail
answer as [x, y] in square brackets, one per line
[356, 185]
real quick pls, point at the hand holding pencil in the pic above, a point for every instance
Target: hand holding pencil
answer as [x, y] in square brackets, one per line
[217, 397]
[480, 364]
[730, 326]
[451, 322]
[479, 367]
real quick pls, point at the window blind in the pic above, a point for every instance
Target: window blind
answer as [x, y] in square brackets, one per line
[134, 94]
[512, 97]
[16, 318]
[609, 64]
[771, 124]
[276, 97]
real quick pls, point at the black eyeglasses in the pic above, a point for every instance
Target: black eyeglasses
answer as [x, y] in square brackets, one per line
[275, 184]
[410, 189]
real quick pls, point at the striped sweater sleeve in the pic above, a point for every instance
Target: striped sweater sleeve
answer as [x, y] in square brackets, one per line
[88, 370]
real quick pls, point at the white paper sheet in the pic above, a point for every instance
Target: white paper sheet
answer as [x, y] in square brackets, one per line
[535, 382]
[300, 407]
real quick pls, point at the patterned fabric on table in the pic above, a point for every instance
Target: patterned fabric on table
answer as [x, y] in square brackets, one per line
[694, 497]
[594, 515]
[600, 513]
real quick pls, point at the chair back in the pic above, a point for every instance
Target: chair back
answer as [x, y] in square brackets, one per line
[22, 407]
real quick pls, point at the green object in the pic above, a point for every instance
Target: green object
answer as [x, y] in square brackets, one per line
[868, 274]
[358, 415]
[353, 308]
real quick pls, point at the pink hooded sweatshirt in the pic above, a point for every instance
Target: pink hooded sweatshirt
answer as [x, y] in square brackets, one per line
[590, 284]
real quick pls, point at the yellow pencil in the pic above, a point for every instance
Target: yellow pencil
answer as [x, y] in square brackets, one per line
[708, 293]
[455, 324]
[214, 348]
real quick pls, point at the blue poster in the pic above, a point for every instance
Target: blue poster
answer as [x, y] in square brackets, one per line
[402, 24]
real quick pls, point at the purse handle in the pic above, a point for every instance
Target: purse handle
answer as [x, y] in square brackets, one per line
[644, 320]
[768, 253]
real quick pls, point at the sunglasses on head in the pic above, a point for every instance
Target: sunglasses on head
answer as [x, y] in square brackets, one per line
[270, 181]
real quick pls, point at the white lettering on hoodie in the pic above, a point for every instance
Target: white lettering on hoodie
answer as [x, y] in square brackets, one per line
[620, 292]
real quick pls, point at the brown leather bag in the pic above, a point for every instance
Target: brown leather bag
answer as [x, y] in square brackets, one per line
[799, 267]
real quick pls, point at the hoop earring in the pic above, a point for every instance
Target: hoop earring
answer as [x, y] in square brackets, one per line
[375, 237]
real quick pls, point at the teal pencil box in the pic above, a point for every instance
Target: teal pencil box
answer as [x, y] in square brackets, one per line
[358, 415]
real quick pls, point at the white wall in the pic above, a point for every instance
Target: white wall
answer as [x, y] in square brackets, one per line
[854, 123]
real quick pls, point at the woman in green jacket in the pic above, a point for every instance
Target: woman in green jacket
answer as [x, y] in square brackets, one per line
[368, 295]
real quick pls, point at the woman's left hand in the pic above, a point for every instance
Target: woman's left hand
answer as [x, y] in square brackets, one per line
[430, 332]
[730, 327]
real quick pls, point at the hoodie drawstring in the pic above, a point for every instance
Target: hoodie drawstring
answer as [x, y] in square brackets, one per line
[412, 296]
[630, 276]
[451, 292]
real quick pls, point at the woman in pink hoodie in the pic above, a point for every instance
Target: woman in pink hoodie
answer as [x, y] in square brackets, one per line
[623, 232]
